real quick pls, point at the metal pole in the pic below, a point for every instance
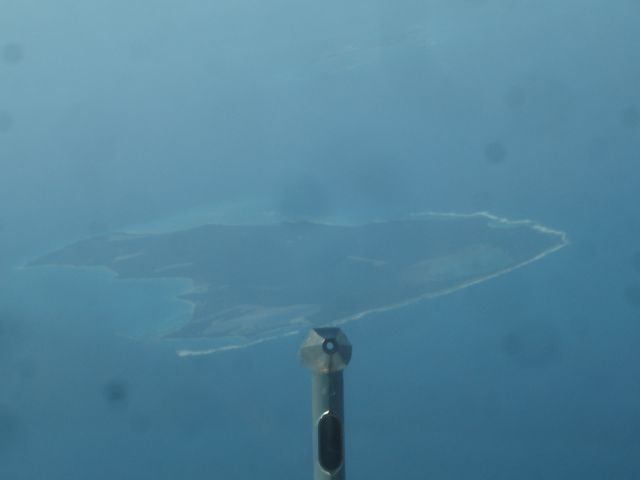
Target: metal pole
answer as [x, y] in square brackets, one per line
[326, 352]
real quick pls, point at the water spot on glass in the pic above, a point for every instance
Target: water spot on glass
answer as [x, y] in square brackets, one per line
[630, 117]
[495, 152]
[531, 347]
[12, 53]
[6, 121]
[515, 98]
[631, 295]
[116, 393]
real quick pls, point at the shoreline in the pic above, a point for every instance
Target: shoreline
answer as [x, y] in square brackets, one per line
[188, 286]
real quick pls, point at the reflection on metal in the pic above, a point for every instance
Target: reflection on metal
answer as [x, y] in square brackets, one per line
[330, 447]
[326, 352]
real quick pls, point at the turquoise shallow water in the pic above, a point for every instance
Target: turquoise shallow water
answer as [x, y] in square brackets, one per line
[143, 310]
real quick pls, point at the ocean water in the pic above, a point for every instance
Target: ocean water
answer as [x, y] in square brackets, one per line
[116, 115]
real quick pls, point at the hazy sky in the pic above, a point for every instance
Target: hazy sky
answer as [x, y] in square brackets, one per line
[119, 112]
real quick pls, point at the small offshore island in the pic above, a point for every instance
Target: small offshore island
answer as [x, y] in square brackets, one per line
[257, 281]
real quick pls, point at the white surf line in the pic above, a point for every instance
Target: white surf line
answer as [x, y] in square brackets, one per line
[564, 241]
[226, 348]
[122, 258]
[527, 222]
[175, 266]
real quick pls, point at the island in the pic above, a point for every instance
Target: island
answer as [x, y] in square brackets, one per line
[259, 281]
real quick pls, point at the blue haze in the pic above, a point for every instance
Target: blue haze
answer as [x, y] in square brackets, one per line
[117, 113]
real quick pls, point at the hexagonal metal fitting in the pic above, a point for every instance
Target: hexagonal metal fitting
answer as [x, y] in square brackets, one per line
[326, 350]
